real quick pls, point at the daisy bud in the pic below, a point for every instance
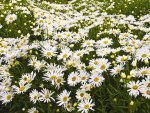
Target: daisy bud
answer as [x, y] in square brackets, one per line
[123, 75]
[112, 56]
[128, 77]
[146, 61]
[57, 110]
[72, 45]
[23, 109]
[115, 100]
[134, 63]
[75, 104]
[131, 103]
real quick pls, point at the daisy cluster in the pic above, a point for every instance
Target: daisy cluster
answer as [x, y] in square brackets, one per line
[70, 51]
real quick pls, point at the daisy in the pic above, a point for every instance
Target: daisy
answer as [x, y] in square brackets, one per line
[117, 69]
[105, 42]
[34, 96]
[144, 71]
[68, 107]
[63, 98]
[77, 54]
[37, 31]
[52, 75]
[96, 80]
[86, 87]
[33, 110]
[66, 53]
[143, 54]
[10, 18]
[59, 81]
[39, 65]
[103, 65]
[48, 52]
[135, 88]
[28, 78]
[84, 76]
[85, 105]
[88, 43]
[73, 79]
[6, 97]
[81, 95]
[81, 67]
[22, 87]
[46, 95]
[146, 93]
[32, 61]
[122, 59]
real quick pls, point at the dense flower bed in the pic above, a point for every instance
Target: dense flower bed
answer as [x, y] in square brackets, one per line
[73, 58]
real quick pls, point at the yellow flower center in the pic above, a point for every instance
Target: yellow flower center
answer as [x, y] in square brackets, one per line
[148, 92]
[148, 85]
[46, 96]
[86, 106]
[96, 62]
[59, 80]
[35, 111]
[65, 56]
[52, 77]
[81, 94]
[118, 70]
[65, 98]
[83, 78]
[144, 72]
[105, 42]
[35, 97]
[22, 88]
[96, 79]
[73, 78]
[8, 97]
[103, 67]
[49, 53]
[144, 55]
[126, 35]
[11, 18]
[78, 54]
[135, 87]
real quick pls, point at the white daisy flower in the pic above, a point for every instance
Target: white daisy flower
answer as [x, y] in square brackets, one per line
[11, 18]
[84, 76]
[105, 42]
[28, 78]
[135, 88]
[6, 97]
[22, 87]
[144, 71]
[52, 75]
[63, 98]
[49, 52]
[73, 78]
[33, 110]
[66, 53]
[85, 105]
[143, 54]
[34, 96]
[103, 65]
[68, 107]
[82, 95]
[146, 92]
[96, 80]
[117, 69]
[46, 95]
